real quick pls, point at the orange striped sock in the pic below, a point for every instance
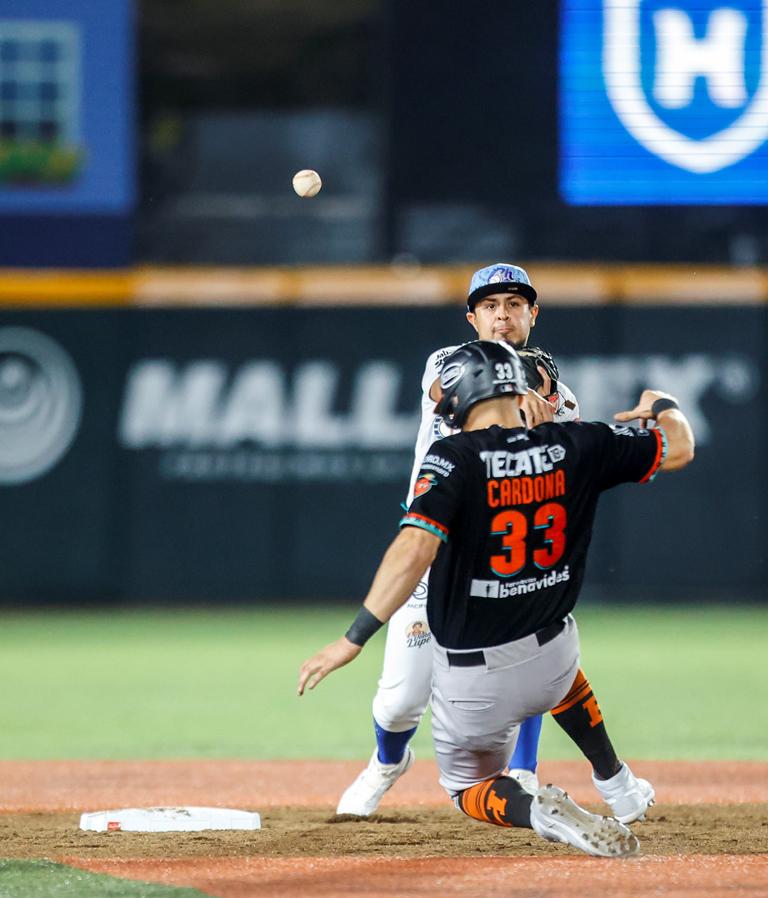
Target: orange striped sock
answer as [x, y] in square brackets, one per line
[580, 716]
[581, 691]
[501, 801]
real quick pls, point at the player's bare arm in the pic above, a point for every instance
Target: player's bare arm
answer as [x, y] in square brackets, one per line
[677, 430]
[406, 560]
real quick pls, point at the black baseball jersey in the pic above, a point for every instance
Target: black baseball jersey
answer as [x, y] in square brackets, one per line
[514, 509]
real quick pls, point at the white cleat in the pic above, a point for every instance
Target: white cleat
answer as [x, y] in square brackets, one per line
[527, 779]
[556, 818]
[626, 795]
[365, 794]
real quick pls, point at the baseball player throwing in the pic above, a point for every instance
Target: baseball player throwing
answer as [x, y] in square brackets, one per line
[504, 519]
[501, 305]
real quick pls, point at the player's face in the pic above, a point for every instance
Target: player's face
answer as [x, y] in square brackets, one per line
[504, 316]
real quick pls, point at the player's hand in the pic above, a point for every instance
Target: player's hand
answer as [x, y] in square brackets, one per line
[545, 389]
[643, 408]
[333, 656]
[536, 409]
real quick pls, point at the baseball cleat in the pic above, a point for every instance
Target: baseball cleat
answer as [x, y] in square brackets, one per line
[365, 794]
[628, 796]
[527, 779]
[556, 818]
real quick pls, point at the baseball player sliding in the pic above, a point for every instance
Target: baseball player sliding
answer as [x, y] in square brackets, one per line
[501, 305]
[504, 518]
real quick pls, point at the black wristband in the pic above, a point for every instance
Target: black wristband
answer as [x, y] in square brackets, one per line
[363, 627]
[661, 405]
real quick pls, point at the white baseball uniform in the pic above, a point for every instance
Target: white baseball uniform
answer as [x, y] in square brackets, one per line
[405, 684]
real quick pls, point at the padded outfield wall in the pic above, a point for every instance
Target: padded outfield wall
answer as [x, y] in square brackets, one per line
[225, 455]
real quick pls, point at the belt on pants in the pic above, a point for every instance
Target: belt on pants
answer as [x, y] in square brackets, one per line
[477, 658]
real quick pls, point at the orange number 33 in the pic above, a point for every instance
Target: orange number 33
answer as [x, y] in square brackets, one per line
[512, 527]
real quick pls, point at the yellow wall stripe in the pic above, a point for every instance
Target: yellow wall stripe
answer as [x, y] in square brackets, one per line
[557, 284]
[38, 288]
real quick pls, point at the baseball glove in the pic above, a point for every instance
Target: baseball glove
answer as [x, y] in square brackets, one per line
[533, 357]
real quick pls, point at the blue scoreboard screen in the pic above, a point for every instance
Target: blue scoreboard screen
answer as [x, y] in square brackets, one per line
[664, 102]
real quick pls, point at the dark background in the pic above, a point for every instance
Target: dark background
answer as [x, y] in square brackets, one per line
[456, 106]
[434, 127]
[107, 524]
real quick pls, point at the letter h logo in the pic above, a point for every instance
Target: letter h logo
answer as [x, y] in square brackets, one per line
[721, 58]
[664, 101]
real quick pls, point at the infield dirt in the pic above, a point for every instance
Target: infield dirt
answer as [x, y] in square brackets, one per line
[414, 832]
[707, 835]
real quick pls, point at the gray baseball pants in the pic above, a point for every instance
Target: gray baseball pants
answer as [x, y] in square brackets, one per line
[480, 699]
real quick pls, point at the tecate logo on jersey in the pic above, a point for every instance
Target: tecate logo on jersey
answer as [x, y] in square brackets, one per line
[536, 460]
[265, 422]
[40, 404]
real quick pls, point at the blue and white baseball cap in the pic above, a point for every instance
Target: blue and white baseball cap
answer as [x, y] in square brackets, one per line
[499, 278]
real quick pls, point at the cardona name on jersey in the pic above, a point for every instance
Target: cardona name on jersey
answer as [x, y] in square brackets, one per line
[534, 460]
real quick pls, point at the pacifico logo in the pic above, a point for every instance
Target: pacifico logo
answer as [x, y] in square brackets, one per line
[40, 404]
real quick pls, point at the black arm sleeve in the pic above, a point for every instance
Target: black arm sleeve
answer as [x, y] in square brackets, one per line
[619, 454]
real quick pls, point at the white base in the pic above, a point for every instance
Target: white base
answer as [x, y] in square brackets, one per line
[169, 820]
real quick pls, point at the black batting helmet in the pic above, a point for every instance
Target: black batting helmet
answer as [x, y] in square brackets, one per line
[476, 371]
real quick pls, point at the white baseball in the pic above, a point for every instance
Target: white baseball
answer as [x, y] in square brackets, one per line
[307, 182]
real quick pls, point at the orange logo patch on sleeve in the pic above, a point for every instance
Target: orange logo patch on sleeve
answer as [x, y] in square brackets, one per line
[424, 484]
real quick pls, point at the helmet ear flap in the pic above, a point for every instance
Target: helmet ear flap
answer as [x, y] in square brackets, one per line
[446, 407]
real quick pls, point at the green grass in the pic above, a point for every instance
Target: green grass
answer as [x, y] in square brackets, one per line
[43, 879]
[675, 683]
[672, 683]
